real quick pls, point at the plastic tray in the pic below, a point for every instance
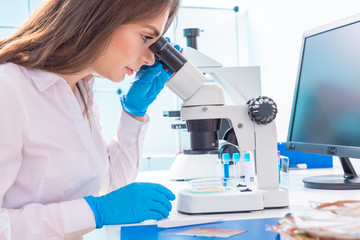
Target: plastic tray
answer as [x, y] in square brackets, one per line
[212, 185]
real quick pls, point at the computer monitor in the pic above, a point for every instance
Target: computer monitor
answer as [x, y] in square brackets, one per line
[325, 117]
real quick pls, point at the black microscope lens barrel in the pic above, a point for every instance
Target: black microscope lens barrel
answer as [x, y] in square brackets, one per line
[204, 134]
[167, 54]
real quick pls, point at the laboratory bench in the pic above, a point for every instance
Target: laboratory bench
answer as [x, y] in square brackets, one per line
[300, 199]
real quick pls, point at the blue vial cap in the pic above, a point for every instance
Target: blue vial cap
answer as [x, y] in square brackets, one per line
[236, 157]
[226, 157]
[246, 157]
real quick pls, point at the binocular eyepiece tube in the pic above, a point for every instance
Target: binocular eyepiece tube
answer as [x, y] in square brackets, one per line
[168, 55]
[186, 79]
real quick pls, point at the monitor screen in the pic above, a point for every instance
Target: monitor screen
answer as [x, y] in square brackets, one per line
[325, 116]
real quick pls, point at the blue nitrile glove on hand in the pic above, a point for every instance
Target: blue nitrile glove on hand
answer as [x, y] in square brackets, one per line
[133, 203]
[149, 81]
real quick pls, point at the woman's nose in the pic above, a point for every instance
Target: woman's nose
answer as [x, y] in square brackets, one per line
[148, 57]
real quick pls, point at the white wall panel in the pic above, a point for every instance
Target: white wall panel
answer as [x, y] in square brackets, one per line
[13, 12]
[275, 34]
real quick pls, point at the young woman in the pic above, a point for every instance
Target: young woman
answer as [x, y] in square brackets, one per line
[53, 159]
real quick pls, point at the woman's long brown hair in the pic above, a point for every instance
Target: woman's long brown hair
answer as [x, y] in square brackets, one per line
[66, 36]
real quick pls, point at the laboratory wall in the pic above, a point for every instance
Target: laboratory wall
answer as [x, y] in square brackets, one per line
[275, 30]
[260, 33]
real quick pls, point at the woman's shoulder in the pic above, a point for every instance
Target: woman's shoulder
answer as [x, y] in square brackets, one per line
[12, 74]
[12, 71]
[9, 66]
[12, 79]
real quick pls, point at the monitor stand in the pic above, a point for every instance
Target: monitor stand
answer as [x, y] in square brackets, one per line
[348, 181]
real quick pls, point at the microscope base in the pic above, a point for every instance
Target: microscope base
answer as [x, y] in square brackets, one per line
[228, 202]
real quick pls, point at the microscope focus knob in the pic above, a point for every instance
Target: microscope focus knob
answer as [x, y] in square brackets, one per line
[262, 110]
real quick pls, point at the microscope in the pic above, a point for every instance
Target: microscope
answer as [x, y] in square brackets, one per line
[251, 129]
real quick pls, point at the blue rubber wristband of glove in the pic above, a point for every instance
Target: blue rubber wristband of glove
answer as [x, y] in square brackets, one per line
[97, 209]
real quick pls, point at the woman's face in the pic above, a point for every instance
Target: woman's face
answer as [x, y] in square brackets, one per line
[128, 49]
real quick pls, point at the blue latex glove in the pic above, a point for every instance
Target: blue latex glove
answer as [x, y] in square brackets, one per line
[133, 203]
[149, 81]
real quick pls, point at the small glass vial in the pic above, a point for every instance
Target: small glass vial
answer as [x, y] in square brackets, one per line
[226, 162]
[247, 169]
[237, 168]
[279, 167]
[284, 172]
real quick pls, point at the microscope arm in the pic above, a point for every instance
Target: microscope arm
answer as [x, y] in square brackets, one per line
[240, 83]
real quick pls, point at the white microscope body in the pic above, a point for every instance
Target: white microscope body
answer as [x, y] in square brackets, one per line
[241, 84]
[204, 101]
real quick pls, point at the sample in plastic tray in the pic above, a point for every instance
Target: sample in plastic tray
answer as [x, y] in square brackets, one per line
[212, 185]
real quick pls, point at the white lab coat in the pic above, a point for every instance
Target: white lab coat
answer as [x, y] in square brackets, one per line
[50, 159]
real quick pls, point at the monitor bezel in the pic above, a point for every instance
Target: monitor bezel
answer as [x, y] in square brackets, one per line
[324, 149]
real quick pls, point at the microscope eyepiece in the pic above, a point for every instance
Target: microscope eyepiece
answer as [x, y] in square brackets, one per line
[186, 79]
[168, 55]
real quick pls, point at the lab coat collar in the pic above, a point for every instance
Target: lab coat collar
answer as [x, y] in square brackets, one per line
[43, 80]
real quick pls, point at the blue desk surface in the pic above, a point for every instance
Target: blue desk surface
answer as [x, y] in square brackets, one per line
[256, 230]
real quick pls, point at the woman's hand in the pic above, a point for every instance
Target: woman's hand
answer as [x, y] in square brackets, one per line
[133, 203]
[149, 81]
